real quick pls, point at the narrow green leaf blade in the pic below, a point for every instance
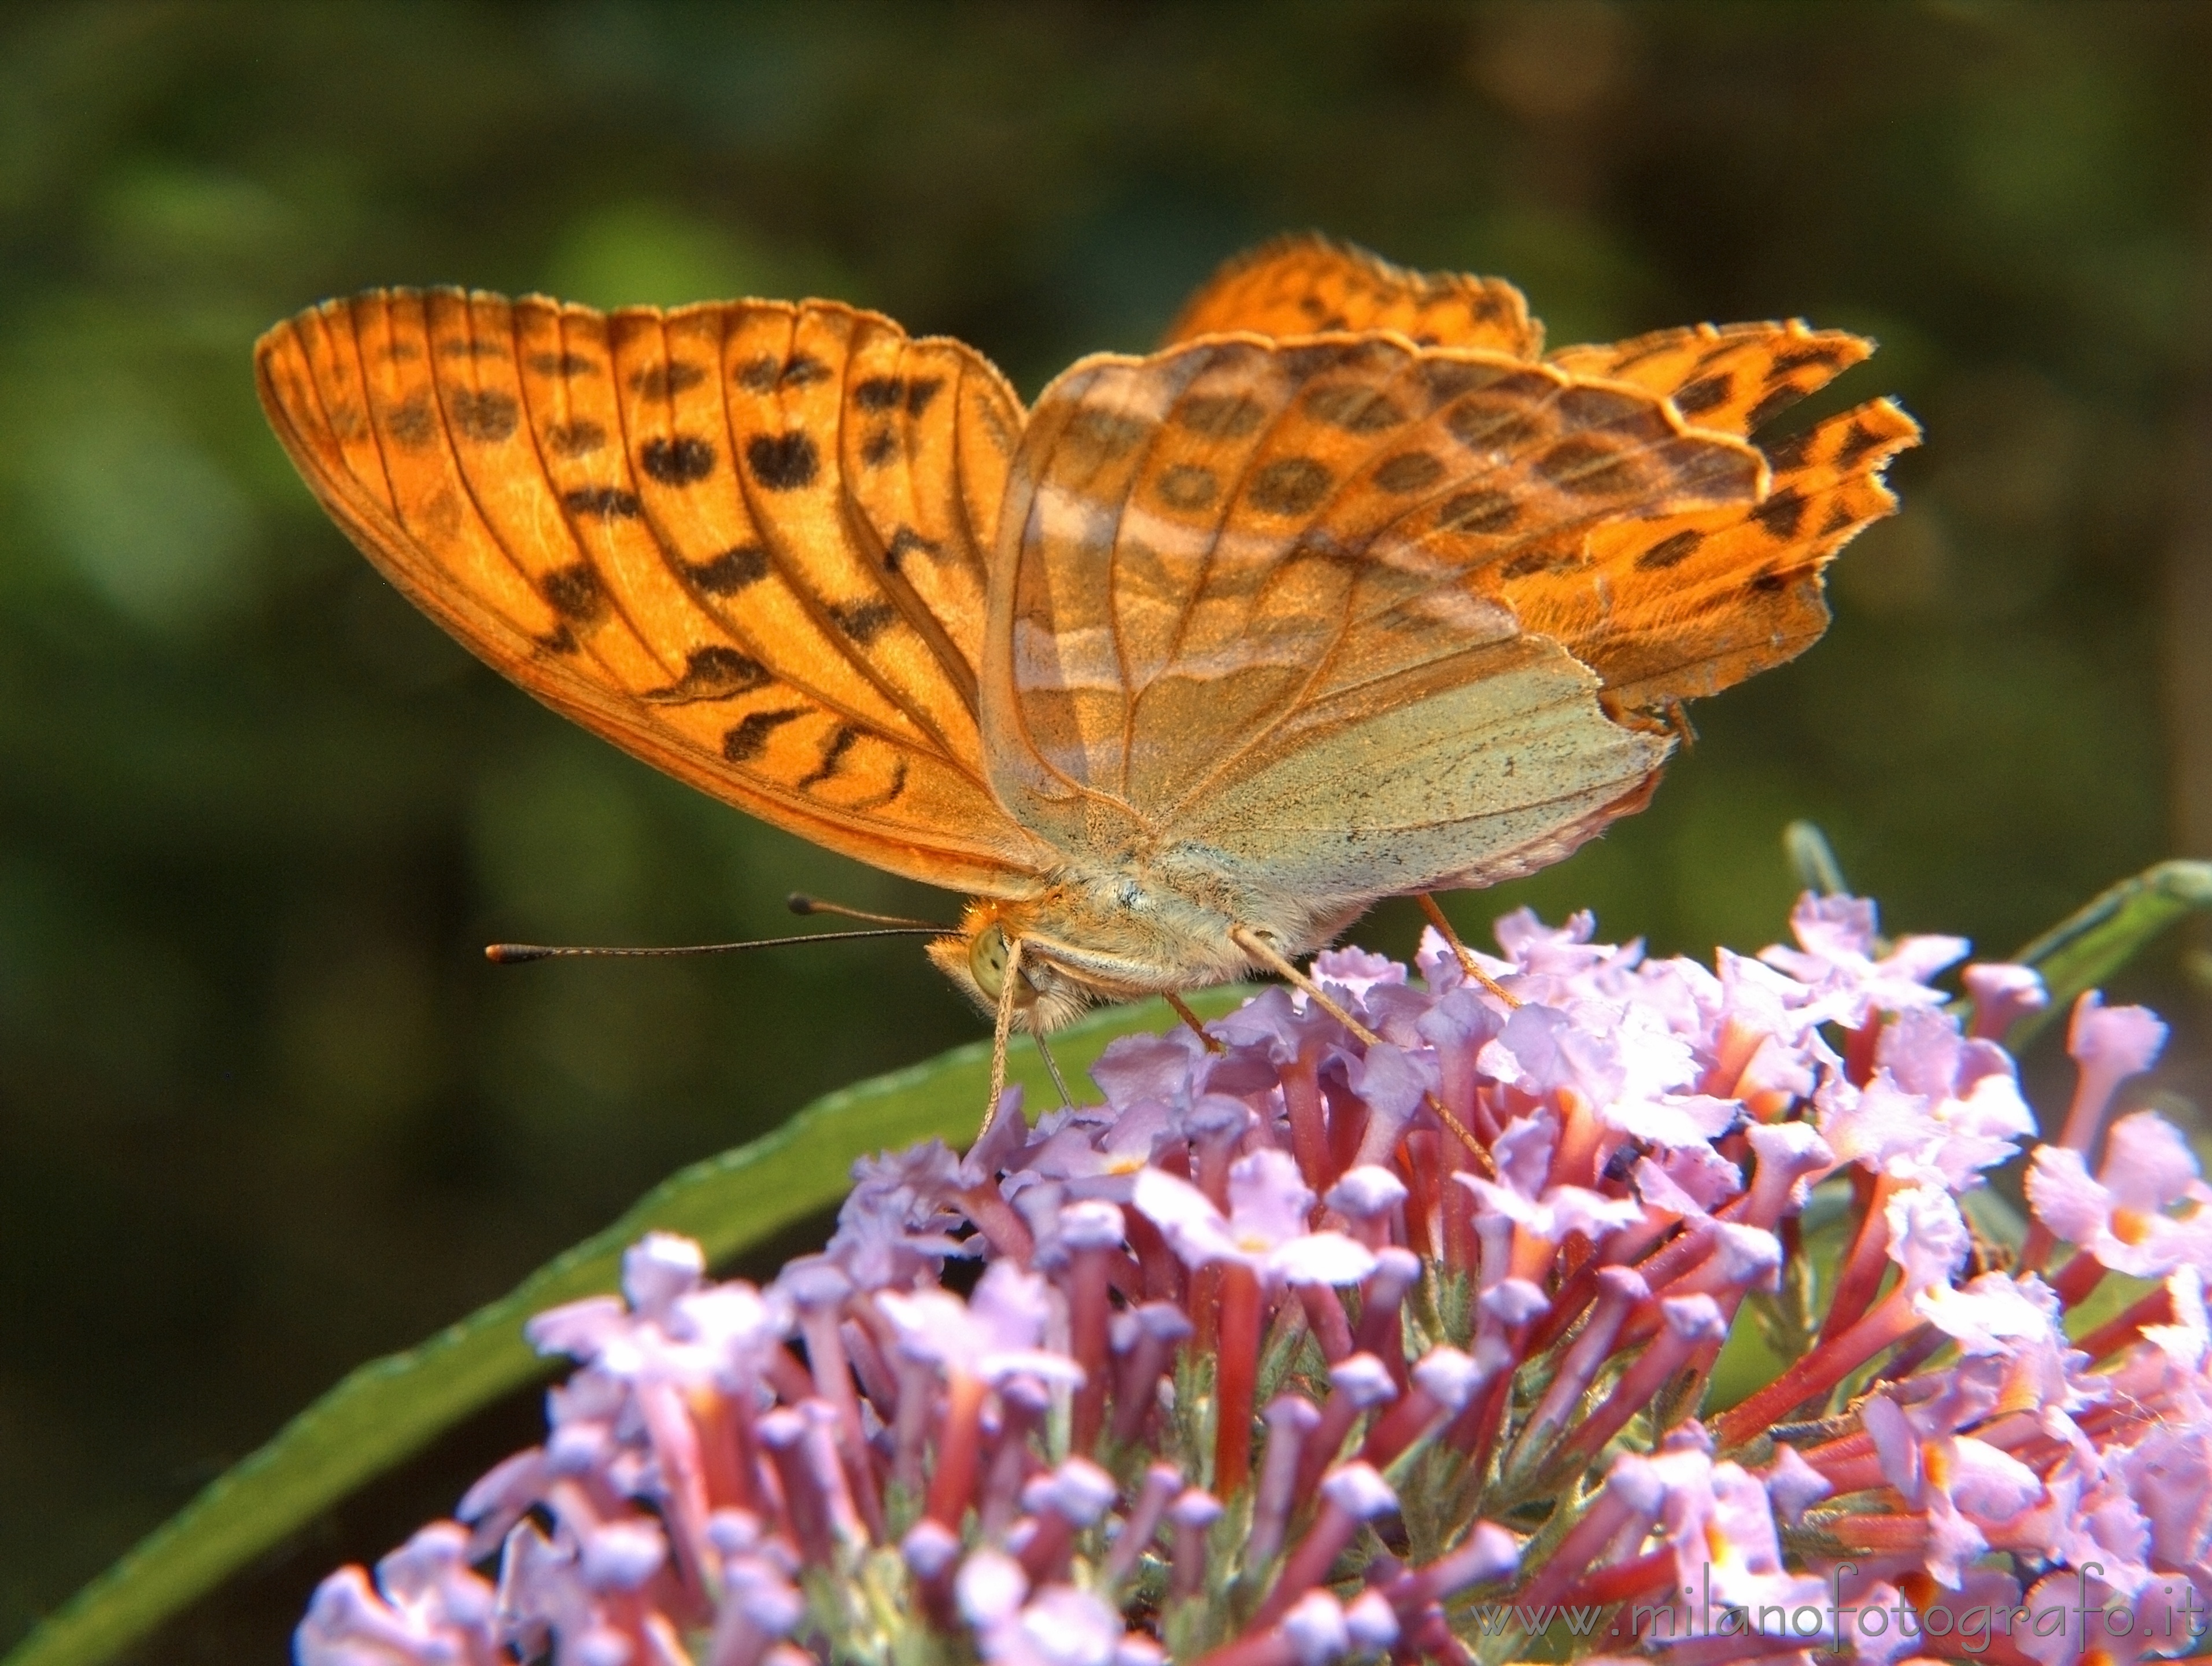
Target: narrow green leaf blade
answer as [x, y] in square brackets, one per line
[2084, 950]
[389, 1408]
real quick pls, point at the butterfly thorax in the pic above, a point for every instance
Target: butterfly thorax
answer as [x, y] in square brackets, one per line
[1118, 933]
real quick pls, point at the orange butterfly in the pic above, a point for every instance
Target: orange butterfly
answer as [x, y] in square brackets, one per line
[1348, 591]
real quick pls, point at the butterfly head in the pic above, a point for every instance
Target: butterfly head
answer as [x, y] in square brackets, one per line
[1046, 996]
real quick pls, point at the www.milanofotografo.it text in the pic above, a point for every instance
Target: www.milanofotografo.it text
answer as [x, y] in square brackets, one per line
[1840, 1624]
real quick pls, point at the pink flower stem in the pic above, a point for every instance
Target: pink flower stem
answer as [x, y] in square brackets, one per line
[959, 1439]
[1309, 1120]
[1308, 1563]
[1662, 1356]
[2155, 1309]
[995, 1218]
[2080, 1275]
[1237, 1365]
[1161, 1483]
[1818, 1371]
[833, 1381]
[1622, 1581]
[1090, 1319]
[1325, 1313]
[1626, 1510]
[1862, 1271]
[1618, 1289]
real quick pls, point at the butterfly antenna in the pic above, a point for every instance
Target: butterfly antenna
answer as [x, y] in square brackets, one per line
[800, 903]
[516, 954]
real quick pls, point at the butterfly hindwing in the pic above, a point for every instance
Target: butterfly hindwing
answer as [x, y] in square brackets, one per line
[1249, 607]
[711, 535]
[1309, 285]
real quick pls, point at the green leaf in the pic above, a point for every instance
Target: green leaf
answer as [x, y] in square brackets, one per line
[391, 1407]
[2081, 952]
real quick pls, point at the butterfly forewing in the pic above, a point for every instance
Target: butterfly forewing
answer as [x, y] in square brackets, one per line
[644, 519]
[1681, 608]
[1733, 377]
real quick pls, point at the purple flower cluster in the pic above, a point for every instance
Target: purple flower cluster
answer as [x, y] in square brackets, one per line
[1304, 1347]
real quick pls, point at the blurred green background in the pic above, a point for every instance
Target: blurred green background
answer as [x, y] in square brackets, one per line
[265, 1111]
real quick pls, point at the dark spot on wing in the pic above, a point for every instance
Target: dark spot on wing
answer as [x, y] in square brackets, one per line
[1858, 439]
[1789, 453]
[879, 449]
[1783, 513]
[841, 741]
[1289, 486]
[1839, 516]
[1301, 363]
[730, 571]
[563, 364]
[890, 392]
[1489, 421]
[1588, 468]
[658, 382]
[749, 739]
[682, 461]
[1187, 486]
[800, 369]
[403, 352]
[475, 347]
[1773, 403]
[1095, 435]
[1614, 410]
[410, 421]
[1670, 551]
[904, 542]
[559, 640]
[609, 503]
[1704, 393]
[1540, 560]
[783, 462]
[1720, 474]
[1354, 408]
[1220, 415]
[1766, 583]
[574, 592]
[863, 620]
[1827, 354]
[1446, 379]
[759, 375]
[713, 673]
[1408, 471]
[578, 439]
[1486, 509]
[485, 414]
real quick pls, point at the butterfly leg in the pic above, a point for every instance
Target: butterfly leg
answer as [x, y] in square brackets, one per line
[1466, 959]
[1267, 954]
[1052, 1066]
[1213, 1043]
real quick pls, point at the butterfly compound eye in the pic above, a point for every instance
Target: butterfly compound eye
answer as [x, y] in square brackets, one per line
[987, 954]
[987, 959]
